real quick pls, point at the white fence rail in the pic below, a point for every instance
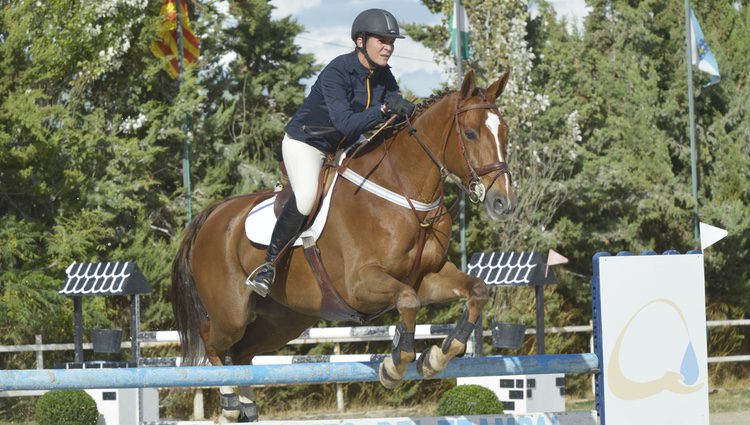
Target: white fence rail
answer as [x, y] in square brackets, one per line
[342, 335]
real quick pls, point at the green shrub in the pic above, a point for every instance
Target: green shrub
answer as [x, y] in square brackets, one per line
[69, 407]
[469, 400]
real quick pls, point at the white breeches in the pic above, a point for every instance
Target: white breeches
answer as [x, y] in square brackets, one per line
[303, 163]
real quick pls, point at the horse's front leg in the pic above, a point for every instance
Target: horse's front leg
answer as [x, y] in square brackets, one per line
[376, 287]
[449, 284]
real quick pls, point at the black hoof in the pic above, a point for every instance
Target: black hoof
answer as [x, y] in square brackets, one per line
[249, 412]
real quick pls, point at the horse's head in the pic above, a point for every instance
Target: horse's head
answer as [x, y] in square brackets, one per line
[481, 137]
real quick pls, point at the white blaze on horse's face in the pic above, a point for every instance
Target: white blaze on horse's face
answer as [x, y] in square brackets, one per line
[493, 123]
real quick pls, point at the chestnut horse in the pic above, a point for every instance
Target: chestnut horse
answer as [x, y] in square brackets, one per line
[379, 254]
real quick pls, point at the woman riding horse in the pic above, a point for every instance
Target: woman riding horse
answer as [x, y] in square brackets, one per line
[355, 93]
[385, 244]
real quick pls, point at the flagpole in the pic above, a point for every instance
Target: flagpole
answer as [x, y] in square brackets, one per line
[462, 197]
[476, 347]
[186, 124]
[691, 107]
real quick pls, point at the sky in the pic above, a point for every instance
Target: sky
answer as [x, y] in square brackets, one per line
[327, 26]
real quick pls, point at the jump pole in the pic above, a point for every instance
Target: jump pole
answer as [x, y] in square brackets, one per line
[319, 373]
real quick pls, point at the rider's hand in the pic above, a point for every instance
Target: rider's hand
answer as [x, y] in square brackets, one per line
[401, 107]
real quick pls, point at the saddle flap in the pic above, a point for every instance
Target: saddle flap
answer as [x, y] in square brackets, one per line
[282, 197]
[262, 218]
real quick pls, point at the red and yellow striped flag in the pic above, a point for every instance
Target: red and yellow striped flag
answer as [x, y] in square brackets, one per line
[166, 46]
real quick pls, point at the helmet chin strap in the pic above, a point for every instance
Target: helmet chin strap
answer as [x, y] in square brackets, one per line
[363, 50]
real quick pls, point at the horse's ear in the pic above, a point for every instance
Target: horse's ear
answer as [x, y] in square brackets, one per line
[496, 89]
[469, 85]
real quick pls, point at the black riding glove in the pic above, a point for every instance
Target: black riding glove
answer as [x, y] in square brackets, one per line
[401, 107]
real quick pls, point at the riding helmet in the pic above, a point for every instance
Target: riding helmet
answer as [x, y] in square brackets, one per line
[376, 21]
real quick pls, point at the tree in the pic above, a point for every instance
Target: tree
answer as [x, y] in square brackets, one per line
[542, 141]
[91, 136]
[600, 132]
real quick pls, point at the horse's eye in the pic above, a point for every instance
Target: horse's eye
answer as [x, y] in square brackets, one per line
[471, 134]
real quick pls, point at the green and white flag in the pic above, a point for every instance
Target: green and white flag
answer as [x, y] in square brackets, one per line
[458, 10]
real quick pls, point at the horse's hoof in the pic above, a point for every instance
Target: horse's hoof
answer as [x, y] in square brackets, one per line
[386, 379]
[425, 365]
[229, 416]
[244, 419]
[249, 412]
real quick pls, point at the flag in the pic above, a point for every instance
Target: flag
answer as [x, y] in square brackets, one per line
[166, 46]
[703, 58]
[458, 10]
[710, 235]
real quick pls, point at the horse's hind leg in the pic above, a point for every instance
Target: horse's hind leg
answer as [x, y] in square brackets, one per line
[265, 334]
[217, 348]
[378, 287]
[446, 285]
[223, 330]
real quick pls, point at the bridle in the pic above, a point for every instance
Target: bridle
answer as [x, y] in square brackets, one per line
[475, 189]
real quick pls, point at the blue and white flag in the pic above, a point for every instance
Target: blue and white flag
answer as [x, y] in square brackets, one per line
[702, 56]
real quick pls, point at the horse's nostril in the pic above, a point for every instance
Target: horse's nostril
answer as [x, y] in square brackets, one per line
[499, 205]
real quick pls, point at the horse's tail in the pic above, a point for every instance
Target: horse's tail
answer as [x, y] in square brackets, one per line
[189, 312]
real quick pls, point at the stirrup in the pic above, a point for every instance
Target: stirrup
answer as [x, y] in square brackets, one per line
[259, 281]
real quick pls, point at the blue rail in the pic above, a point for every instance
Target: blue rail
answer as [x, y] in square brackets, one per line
[318, 373]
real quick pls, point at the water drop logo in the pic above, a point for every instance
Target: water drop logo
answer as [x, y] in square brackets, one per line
[684, 381]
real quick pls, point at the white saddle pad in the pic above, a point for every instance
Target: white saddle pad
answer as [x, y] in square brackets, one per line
[261, 219]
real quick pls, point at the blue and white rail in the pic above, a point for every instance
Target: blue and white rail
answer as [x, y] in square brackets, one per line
[307, 373]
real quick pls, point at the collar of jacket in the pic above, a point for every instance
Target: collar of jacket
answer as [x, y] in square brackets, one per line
[354, 66]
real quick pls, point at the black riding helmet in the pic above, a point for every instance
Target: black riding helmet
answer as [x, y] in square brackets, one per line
[377, 22]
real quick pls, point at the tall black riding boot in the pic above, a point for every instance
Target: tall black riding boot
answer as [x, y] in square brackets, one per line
[287, 227]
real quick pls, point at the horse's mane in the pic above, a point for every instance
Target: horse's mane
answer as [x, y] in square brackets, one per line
[425, 104]
[421, 107]
[394, 130]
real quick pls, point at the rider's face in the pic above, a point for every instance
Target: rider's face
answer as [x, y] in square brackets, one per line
[379, 48]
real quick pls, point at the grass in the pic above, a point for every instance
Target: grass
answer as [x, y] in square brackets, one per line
[576, 405]
[729, 400]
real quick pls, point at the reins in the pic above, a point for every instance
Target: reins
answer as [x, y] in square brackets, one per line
[475, 189]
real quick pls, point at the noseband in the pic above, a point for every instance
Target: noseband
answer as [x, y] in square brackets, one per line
[475, 189]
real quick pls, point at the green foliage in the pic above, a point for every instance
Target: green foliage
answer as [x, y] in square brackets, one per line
[599, 141]
[91, 146]
[66, 407]
[469, 400]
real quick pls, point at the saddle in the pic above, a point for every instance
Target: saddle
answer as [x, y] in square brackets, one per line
[333, 307]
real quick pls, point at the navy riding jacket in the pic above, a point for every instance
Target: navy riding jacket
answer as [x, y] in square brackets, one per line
[343, 104]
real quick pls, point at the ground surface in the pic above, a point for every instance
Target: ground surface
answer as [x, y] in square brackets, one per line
[727, 406]
[723, 418]
[726, 418]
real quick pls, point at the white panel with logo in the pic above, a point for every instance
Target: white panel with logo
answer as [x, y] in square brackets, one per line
[651, 340]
